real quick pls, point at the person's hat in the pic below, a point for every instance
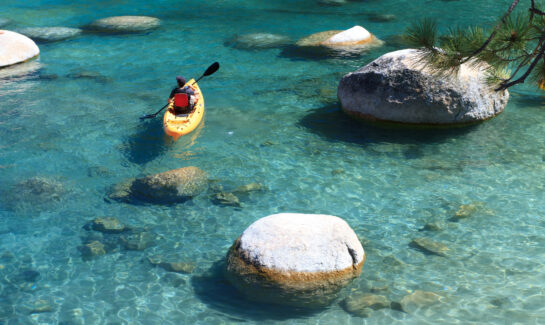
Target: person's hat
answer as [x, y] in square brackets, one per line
[181, 80]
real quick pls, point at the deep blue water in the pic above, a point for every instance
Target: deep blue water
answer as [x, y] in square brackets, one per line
[272, 117]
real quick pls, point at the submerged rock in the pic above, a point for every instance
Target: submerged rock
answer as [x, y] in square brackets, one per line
[430, 246]
[124, 24]
[37, 191]
[251, 187]
[363, 304]
[91, 75]
[137, 240]
[397, 87]
[178, 267]
[333, 3]
[108, 225]
[258, 41]
[16, 48]
[4, 22]
[92, 249]
[466, 211]
[226, 199]
[50, 34]
[176, 185]
[419, 299]
[381, 18]
[295, 259]
[432, 226]
[171, 186]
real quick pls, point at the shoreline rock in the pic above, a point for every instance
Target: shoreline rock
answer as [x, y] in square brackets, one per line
[297, 259]
[398, 88]
[16, 48]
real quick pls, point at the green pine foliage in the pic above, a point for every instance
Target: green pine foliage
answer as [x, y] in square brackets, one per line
[514, 48]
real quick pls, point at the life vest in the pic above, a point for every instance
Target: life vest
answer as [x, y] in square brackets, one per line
[181, 100]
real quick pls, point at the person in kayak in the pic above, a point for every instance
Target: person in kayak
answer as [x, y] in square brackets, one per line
[184, 97]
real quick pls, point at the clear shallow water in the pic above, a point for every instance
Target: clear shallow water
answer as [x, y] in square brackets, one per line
[272, 118]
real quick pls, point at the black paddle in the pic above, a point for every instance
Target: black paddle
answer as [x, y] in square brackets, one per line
[211, 69]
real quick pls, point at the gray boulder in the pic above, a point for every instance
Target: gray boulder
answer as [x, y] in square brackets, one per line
[295, 259]
[124, 24]
[398, 88]
[16, 48]
[50, 34]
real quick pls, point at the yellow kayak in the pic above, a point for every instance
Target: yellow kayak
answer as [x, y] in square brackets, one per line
[182, 124]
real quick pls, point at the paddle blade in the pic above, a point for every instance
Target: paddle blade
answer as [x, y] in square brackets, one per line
[147, 116]
[211, 69]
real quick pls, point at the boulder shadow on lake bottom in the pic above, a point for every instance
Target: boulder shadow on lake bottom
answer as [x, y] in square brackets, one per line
[147, 143]
[213, 289]
[330, 122]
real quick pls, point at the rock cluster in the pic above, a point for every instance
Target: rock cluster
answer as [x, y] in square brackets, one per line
[398, 88]
[295, 259]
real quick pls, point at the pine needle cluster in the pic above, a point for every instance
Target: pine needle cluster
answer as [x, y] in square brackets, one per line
[514, 48]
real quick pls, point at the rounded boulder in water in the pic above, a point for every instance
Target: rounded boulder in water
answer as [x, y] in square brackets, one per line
[50, 34]
[16, 48]
[295, 259]
[398, 88]
[258, 41]
[125, 24]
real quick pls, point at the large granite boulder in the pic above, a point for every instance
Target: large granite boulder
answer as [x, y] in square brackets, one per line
[172, 186]
[50, 34]
[16, 48]
[398, 88]
[124, 24]
[295, 259]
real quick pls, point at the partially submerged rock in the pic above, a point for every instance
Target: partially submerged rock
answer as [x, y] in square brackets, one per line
[16, 48]
[353, 37]
[258, 41]
[295, 259]
[397, 87]
[351, 42]
[124, 24]
[50, 34]
[430, 246]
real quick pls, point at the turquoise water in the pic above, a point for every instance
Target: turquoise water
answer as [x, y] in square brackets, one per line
[272, 118]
